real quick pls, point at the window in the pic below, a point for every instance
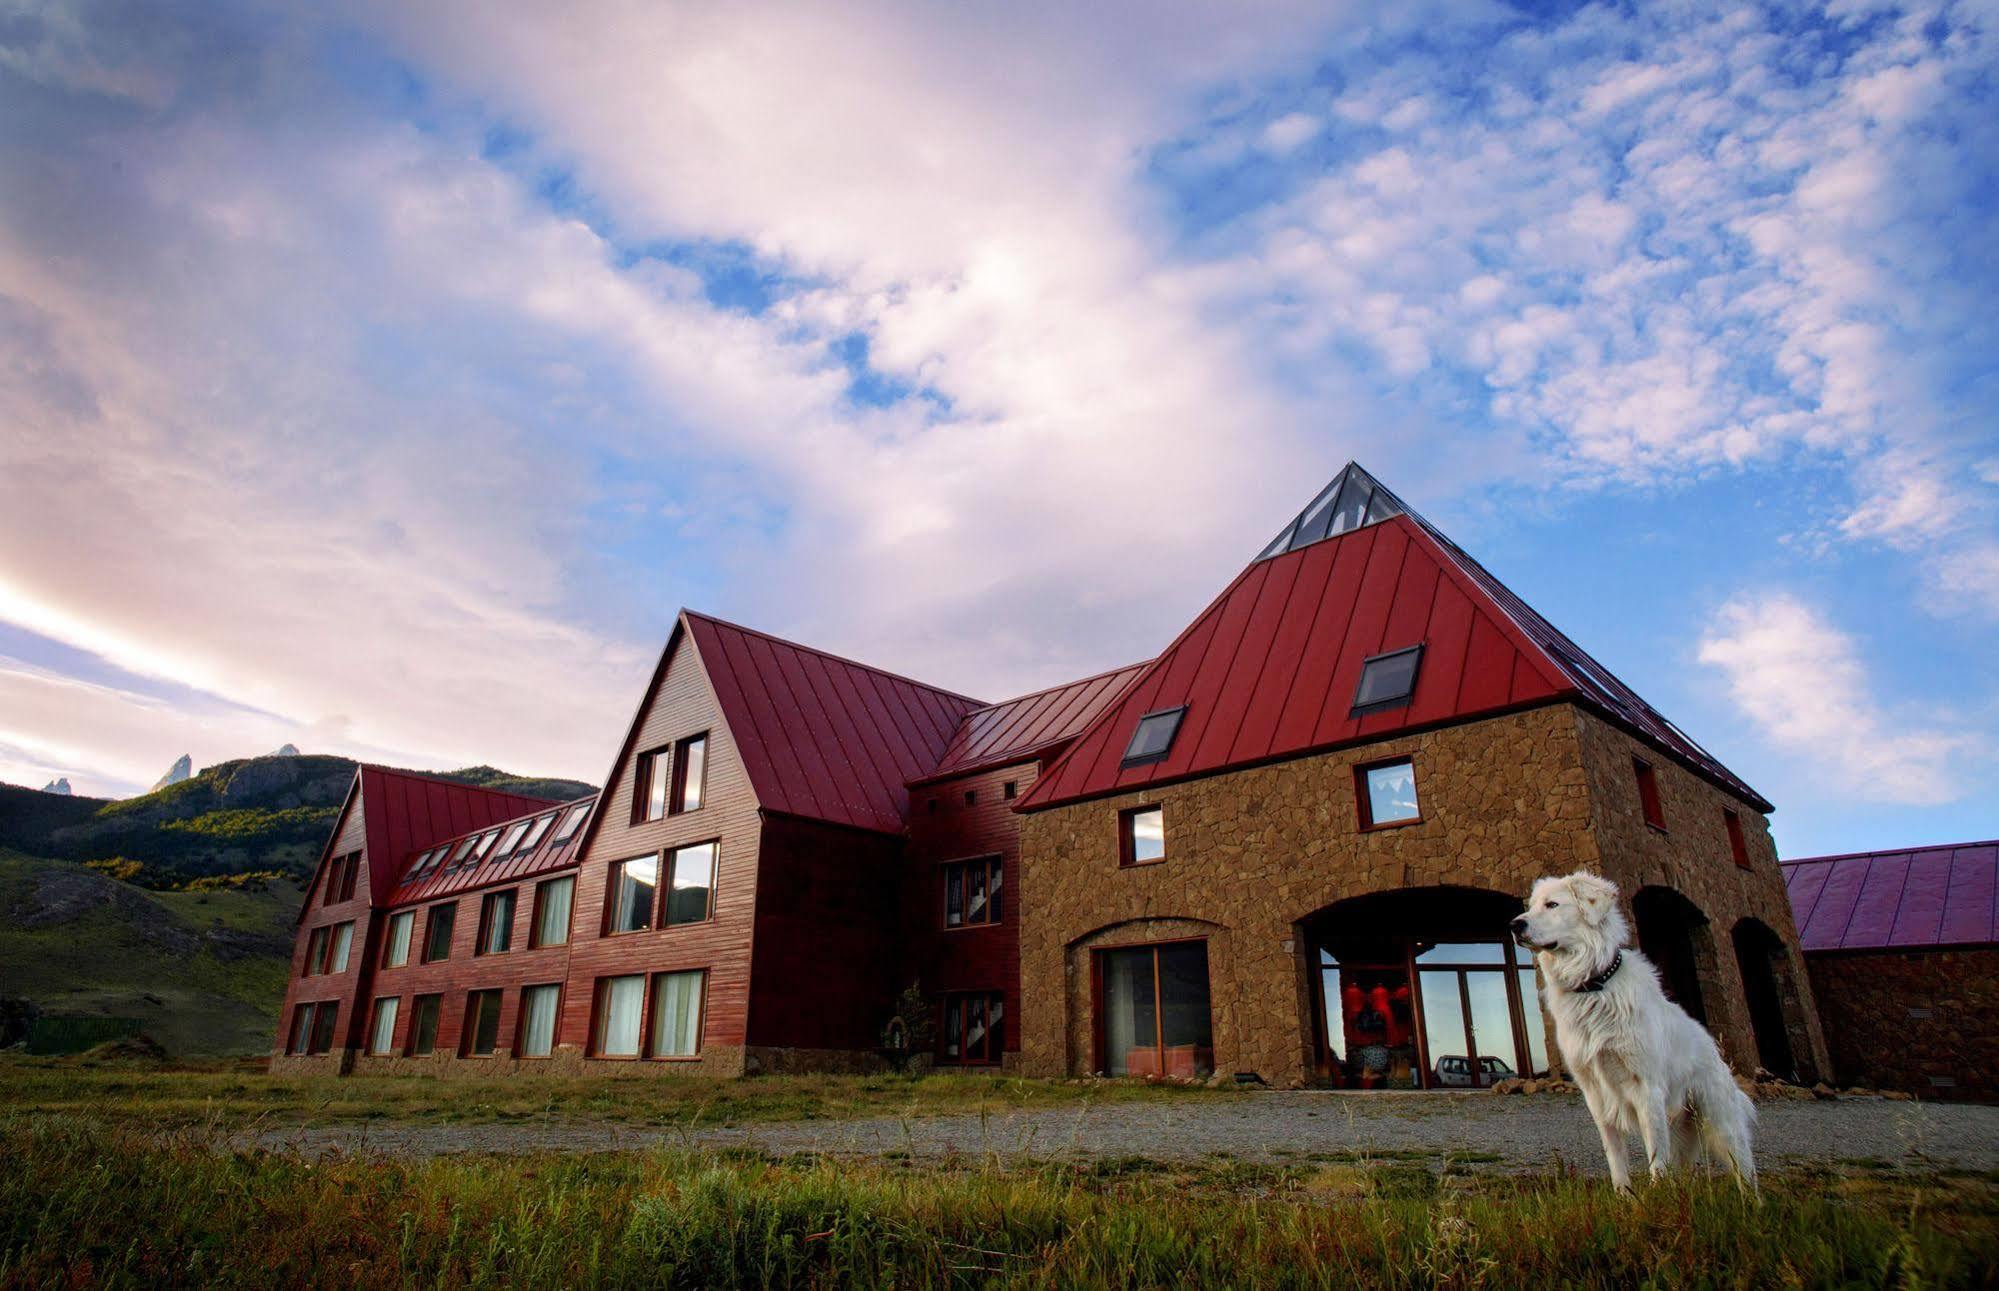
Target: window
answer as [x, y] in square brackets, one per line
[343, 941]
[1153, 736]
[420, 866]
[1648, 793]
[1141, 836]
[301, 1029]
[552, 898]
[1387, 793]
[1738, 847]
[396, 951]
[423, 1025]
[629, 897]
[572, 822]
[972, 892]
[654, 781]
[464, 850]
[513, 839]
[1153, 1010]
[437, 932]
[486, 841]
[1010, 790]
[540, 827]
[539, 1007]
[690, 772]
[382, 1035]
[496, 923]
[931, 806]
[482, 1025]
[676, 1014]
[620, 1007]
[341, 874]
[971, 797]
[323, 1016]
[1387, 681]
[315, 952]
[690, 896]
[974, 1028]
[350, 877]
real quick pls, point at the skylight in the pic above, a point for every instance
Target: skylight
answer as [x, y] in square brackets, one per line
[541, 825]
[1354, 499]
[571, 821]
[1387, 680]
[1153, 736]
[514, 836]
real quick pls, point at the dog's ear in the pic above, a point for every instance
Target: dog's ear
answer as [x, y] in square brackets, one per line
[1594, 894]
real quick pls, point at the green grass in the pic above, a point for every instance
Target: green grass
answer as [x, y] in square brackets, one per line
[230, 1095]
[82, 1205]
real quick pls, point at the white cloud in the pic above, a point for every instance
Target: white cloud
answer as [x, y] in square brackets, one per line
[1802, 682]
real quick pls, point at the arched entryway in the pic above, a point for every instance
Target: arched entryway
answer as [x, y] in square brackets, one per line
[1421, 988]
[1671, 931]
[1765, 965]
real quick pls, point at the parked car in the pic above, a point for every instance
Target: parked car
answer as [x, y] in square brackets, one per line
[1456, 1071]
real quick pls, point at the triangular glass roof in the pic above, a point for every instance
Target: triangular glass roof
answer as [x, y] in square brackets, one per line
[1352, 500]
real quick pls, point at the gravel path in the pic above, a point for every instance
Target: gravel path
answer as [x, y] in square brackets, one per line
[1525, 1133]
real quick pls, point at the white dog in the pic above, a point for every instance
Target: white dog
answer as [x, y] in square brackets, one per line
[1640, 1061]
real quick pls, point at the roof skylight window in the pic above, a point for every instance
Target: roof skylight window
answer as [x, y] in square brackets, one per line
[541, 825]
[571, 822]
[514, 837]
[1153, 736]
[1352, 501]
[1387, 681]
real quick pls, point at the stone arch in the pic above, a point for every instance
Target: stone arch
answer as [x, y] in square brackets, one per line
[1776, 1008]
[1081, 984]
[1676, 937]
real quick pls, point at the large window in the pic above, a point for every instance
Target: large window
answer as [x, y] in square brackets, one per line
[1153, 1010]
[690, 772]
[496, 923]
[343, 943]
[1152, 738]
[572, 822]
[552, 898]
[396, 946]
[481, 1036]
[974, 1030]
[690, 898]
[424, 1013]
[1387, 681]
[972, 892]
[382, 1035]
[540, 1006]
[437, 932]
[629, 895]
[620, 1014]
[653, 785]
[676, 1014]
[1648, 793]
[312, 1027]
[1141, 836]
[1387, 794]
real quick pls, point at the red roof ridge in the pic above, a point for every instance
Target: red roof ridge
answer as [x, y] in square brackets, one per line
[436, 778]
[904, 678]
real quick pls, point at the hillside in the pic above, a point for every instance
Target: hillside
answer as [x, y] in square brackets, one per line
[247, 816]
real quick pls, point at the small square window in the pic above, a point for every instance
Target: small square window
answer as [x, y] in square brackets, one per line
[972, 891]
[1387, 794]
[1010, 790]
[1387, 681]
[1153, 736]
[1142, 836]
[971, 797]
[1738, 846]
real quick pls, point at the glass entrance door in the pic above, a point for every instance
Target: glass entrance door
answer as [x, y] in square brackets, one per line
[1153, 1010]
[1477, 1023]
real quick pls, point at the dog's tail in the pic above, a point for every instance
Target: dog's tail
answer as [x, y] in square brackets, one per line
[1727, 1119]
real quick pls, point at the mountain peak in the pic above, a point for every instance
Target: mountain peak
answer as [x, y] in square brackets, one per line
[57, 786]
[285, 751]
[182, 769]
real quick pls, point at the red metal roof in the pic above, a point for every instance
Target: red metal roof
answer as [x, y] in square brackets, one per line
[1921, 897]
[1269, 670]
[406, 811]
[1030, 726]
[443, 879]
[821, 736]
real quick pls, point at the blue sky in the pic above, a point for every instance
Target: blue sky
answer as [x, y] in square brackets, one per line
[382, 379]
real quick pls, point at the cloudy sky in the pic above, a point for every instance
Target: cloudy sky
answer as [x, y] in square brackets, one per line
[382, 378]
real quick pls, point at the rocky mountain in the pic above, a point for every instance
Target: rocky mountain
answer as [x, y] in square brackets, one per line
[57, 786]
[182, 769]
[286, 751]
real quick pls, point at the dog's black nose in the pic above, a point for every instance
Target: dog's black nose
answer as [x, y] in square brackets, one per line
[1520, 924]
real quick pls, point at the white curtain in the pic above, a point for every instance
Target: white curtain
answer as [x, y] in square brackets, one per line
[676, 1015]
[538, 1021]
[384, 1037]
[552, 928]
[624, 1005]
[399, 938]
[343, 939]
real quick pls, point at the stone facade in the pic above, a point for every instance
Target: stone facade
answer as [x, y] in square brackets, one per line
[1252, 854]
[1923, 1021]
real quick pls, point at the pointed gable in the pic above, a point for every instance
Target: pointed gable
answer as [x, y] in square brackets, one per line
[821, 736]
[1272, 668]
[406, 811]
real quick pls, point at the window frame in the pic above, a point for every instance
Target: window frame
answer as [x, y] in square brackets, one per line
[648, 1040]
[665, 889]
[340, 940]
[329, 1012]
[535, 941]
[488, 926]
[572, 823]
[468, 1033]
[1364, 799]
[994, 865]
[434, 1000]
[1738, 843]
[676, 793]
[394, 1004]
[1403, 700]
[993, 1055]
[537, 830]
[1649, 805]
[511, 841]
[600, 1016]
[430, 917]
[316, 944]
[521, 1023]
[612, 881]
[1179, 715]
[1127, 819]
[652, 766]
[389, 939]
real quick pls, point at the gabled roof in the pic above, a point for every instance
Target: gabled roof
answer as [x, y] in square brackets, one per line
[440, 878]
[1270, 669]
[821, 736]
[405, 811]
[1913, 899]
[1021, 729]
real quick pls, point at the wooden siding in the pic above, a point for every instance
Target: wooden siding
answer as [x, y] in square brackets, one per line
[350, 835]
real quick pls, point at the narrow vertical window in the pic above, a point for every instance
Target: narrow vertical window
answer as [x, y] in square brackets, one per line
[676, 1014]
[690, 772]
[382, 1035]
[396, 946]
[343, 942]
[1141, 836]
[301, 1029]
[1738, 846]
[482, 1024]
[437, 932]
[423, 1025]
[653, 785]
[1648, 793]
[552, 898]
[630, 894]
[1387, 794]
[620, 1009]
[496, 923]
[539, 1007]
[315, 953]
[690, 896]
[322, 1028]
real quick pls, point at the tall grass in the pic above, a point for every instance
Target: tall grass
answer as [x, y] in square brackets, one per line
[81, 1204]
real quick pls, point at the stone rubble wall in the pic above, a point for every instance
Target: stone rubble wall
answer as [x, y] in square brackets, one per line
[1925, 1022]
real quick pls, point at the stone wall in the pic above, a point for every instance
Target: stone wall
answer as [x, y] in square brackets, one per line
[1924, 1021]
[1253, 853]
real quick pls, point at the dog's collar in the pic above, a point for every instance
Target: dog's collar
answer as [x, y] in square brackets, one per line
[1602, 979]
